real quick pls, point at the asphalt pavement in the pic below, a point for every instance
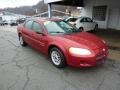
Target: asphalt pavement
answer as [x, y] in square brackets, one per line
[23, 68]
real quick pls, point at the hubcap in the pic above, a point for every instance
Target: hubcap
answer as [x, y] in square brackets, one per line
[21, 40]
[55, 56]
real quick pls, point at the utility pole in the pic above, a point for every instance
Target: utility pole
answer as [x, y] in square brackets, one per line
[49, 10]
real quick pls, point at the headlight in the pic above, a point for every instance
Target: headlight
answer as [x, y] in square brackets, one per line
[79, 51]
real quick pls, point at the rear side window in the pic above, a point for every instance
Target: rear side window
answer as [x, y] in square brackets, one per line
[86, 20]
[89, 20]
[82, 20]
[36, 27]
[28, 24]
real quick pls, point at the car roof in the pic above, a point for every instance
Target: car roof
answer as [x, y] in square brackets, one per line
[84, 17]
[39, 19]
[79, 17]
[72, 17]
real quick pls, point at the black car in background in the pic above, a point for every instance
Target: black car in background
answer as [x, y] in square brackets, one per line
[13, 22]
[21, 20]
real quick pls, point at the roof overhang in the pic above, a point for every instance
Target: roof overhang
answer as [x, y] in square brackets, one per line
[77, 3]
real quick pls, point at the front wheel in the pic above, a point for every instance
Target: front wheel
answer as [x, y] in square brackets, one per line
[57, 58]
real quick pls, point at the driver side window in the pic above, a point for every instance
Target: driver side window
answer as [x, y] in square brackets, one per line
[36, 27]
[28, 24]
[82, 20]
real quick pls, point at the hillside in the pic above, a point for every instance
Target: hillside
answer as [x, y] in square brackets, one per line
[30, 10]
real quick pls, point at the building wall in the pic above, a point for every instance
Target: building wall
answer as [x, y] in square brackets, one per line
[75, 12]
[112, 15]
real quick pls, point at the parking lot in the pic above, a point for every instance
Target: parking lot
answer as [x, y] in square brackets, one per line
[23, 68]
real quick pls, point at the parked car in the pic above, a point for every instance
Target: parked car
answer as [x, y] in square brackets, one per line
[13, 22]
[63, 43]
[83, 23]
[3, 22]
[21, 20]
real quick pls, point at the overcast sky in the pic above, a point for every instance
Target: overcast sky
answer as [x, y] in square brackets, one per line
[17, 3]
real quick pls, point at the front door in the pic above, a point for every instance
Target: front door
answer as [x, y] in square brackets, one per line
[39, 40]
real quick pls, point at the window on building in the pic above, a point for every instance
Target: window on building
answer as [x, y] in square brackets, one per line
[99, 13]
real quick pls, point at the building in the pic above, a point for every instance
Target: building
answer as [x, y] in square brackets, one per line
[105, 12]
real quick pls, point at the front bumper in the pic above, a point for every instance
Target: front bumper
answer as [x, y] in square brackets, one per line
[99, 58]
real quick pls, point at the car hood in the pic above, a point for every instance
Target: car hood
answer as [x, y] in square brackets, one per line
[85, 39]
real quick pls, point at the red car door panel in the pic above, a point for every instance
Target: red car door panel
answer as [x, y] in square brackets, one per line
[27, 35]
[27, 32]
[40, 42]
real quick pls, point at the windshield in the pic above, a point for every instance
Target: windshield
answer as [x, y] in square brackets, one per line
[59, 27]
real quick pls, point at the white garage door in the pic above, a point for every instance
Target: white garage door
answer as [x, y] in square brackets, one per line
[113, 20]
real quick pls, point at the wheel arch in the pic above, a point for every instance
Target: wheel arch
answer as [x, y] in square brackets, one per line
[61, 48]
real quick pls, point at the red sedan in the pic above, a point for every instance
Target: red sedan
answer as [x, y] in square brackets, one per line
[63, 43]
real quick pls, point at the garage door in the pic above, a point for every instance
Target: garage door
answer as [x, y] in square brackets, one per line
[113, 19]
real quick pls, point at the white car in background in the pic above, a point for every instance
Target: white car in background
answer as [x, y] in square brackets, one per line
[3, 22]
[83, 23]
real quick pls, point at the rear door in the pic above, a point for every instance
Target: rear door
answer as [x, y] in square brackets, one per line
[28, 33]
[80, 23]
[90, 24]
[86, 23]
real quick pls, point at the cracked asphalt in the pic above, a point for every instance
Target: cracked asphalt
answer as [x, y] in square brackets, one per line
[23, 68]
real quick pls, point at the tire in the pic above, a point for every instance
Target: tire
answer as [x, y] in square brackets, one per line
[22, 42]
[96, 27]
[81, 29]
[57, 58]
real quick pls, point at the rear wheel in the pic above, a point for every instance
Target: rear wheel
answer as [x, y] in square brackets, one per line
[96, 27]
[81, 29]
[22, 42]
[57, 57]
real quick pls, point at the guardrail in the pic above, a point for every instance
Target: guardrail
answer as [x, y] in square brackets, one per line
[44, 13]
